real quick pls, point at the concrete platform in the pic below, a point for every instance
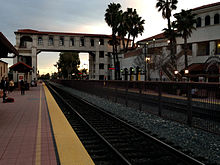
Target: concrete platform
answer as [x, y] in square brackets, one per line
[34, 131]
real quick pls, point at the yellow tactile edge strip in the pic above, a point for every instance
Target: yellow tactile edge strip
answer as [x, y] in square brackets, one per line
[38, 145]
[69, 147]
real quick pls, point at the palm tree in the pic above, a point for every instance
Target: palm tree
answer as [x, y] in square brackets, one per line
[112, 18]
[138, 28]
[167, 6]
[185, 21]
[122, 29]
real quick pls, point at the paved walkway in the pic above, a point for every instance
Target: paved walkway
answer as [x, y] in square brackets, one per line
[26, 136]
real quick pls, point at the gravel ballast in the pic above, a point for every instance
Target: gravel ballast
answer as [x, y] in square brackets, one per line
[195, 142]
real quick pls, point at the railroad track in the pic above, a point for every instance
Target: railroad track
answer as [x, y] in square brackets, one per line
[109, 140]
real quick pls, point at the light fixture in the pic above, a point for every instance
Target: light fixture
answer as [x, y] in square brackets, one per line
[186, 71]
[176, 72]
[147, 59]
[168, 41]
[153, 39]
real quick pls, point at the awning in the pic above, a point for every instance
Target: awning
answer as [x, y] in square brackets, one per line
[21, 67]
[196, 67]
[6, 47]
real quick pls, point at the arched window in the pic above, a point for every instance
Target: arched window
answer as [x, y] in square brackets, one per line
[207, 20]
[216, 19]
[50, 41]
[198, 22]
[40, 41]
[24, 40]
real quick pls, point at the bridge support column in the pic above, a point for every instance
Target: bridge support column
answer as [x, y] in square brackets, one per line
[34, 64]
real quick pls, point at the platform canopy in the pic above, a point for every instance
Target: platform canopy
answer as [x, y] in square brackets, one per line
[6, 47]
[21, 67]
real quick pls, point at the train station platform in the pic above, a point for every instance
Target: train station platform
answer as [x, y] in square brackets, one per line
[34, 131]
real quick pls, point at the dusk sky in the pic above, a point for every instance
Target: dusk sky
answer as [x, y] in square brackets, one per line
[76, 16]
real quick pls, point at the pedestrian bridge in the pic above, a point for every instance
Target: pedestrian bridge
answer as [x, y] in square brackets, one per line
[30, 43]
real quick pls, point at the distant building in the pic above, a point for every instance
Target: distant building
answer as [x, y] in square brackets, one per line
[3, 69]
[203, 52]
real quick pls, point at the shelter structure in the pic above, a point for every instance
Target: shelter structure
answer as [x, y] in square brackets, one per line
[22, 71]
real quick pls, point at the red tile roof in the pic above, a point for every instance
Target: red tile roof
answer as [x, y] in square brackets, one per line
[161, 35]
[158, 36]
[30, 31]
[206, 6]
[21, 64]
[10, 48]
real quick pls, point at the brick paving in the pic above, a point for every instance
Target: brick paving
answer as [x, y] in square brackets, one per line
[19, 127]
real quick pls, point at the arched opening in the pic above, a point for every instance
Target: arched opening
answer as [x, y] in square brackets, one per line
[126, 73]
[24, 40]
[131, 73]
[207, 20]
[198, 22]
[40, 41]
[216, 19]
[137, 73]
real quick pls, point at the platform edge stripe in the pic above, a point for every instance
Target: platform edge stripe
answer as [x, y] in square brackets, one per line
[38, 143]
[69, 147]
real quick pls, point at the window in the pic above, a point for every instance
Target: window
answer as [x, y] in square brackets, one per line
[101, 77]
[203, 49]
[101, 41]
[81, 42]
[101, 54]
[216, 19]
[207, 20]
[92, 42]
[71, 41]
[101, 66]
[198, 22]
[40, 41]
[61, 41]
[50, 41]
[218, 47]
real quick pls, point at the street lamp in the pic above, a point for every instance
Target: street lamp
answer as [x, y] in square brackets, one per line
[145, 56]
[186, 71]
[176, 72]
[148, 67]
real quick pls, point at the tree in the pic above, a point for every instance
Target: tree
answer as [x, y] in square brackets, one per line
[167, 6]
[138, 28]
[68, 63]
[185, 21]
[112, 18]
[134, 25]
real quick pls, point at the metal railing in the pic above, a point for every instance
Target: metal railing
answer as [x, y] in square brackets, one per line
[194, 104]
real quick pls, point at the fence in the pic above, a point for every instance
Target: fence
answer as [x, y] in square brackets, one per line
[194, 104]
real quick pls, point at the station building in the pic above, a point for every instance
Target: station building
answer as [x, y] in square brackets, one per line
[151, 59]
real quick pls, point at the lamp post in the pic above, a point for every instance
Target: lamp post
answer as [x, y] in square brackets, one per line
[148, 67]
[176, 72]
[186, 72]
[145, 65]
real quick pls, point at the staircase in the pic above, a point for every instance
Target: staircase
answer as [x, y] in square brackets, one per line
[168, 68]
